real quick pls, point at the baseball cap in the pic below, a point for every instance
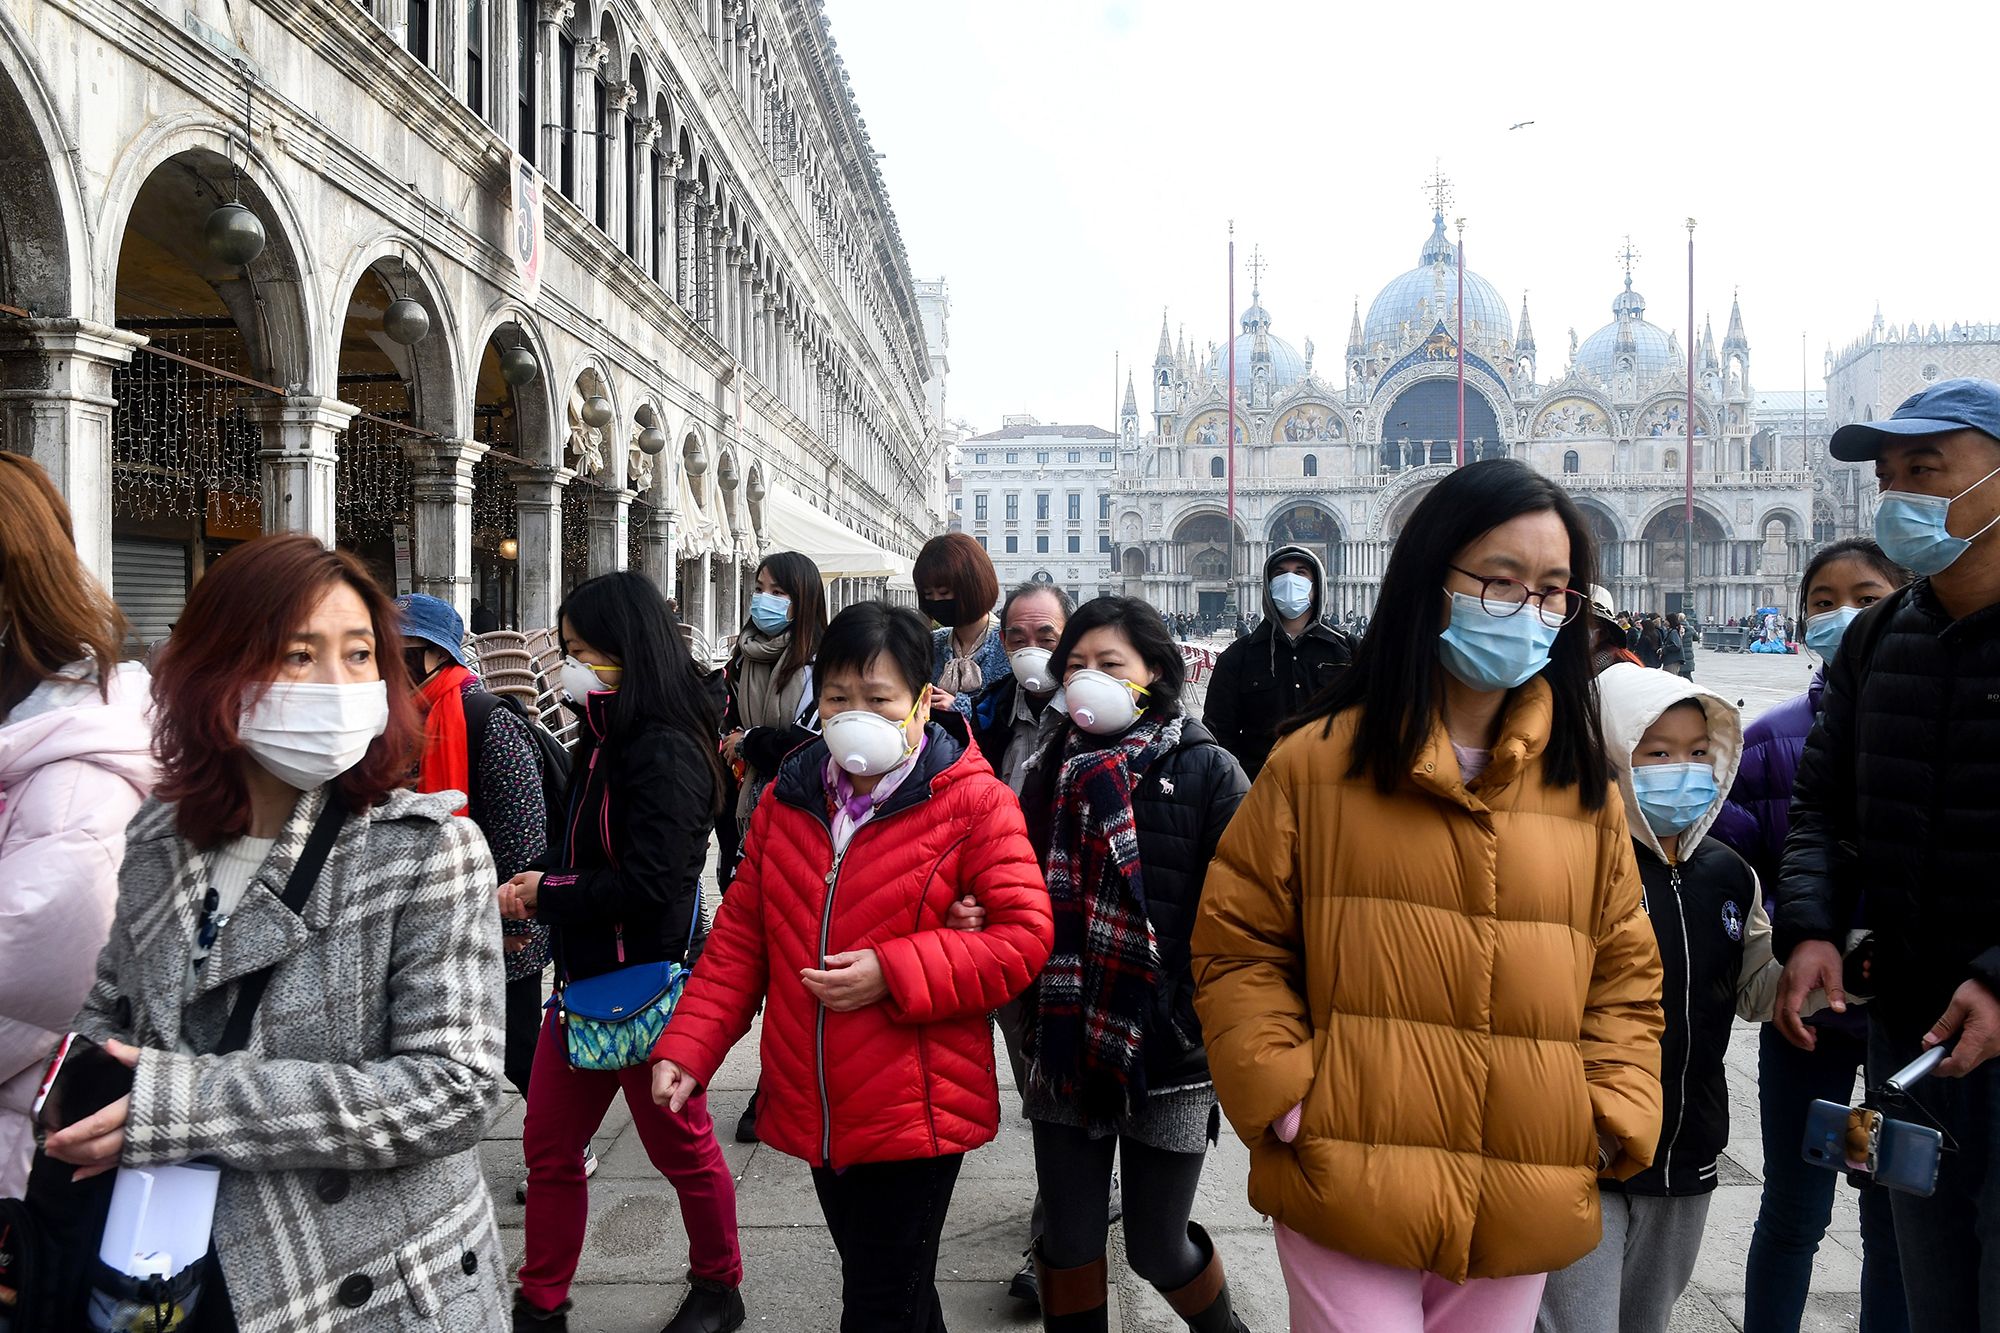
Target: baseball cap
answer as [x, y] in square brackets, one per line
[433, 621]
[1600, 602]
[1948, 405]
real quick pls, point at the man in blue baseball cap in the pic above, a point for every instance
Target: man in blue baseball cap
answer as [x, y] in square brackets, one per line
[1898, 798]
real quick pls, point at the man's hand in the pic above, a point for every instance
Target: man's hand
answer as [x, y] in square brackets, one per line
[94, 1144]
[1814, 965]
[850, 981]
[672, 1085]
[1974, 1014]
[965, 914]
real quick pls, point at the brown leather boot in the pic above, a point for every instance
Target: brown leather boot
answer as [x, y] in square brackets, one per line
[1073, 1299]
[1204, 1303]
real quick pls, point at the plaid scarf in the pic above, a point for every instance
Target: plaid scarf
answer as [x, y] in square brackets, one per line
[1092, 999]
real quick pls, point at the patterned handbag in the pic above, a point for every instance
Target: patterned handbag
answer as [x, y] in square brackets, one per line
[611, 1021]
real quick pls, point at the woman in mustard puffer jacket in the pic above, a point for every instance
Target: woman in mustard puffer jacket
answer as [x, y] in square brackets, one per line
[1428, 989]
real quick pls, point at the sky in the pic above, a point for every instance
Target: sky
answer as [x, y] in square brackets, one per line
[1070, 167]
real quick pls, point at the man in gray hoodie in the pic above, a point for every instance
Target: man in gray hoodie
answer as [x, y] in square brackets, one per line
[1275, 670]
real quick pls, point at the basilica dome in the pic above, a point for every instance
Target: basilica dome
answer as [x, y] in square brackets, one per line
[1429, 293]
[1651, 348]
[1287, 366]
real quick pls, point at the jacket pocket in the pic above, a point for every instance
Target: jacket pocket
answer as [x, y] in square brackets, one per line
[419, 1283]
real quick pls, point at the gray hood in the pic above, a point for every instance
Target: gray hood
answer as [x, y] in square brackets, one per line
[1318, 577]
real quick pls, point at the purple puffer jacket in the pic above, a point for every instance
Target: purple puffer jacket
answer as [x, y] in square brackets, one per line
[1758, 813]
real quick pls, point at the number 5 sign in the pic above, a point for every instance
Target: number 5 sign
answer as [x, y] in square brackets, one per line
[525, 241]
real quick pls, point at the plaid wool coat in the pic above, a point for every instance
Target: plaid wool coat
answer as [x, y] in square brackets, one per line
[348, 1130]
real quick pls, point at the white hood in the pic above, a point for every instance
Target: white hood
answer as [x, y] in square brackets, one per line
[67, 719]
[1630, 699]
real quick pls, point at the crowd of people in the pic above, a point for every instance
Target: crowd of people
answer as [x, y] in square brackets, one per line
[1448, 915]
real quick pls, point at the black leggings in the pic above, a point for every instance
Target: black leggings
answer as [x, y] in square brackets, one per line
[523, 1029]
[1158, 1187]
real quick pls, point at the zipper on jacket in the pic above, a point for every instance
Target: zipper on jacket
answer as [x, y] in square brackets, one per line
[1687, 1026]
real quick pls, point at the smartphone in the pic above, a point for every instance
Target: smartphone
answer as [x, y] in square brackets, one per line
[1896, 1153]
[1906, 1156]
[1827, 1136]
[82, 1079]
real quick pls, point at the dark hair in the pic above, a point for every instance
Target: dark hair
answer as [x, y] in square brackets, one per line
[799, 577]
[956, 561]
[1036, 588]
[231, 637]
[867, 630]
[1139, 622]
[624, 616]
[1397, 680]
[1863, 549]
[52, 612]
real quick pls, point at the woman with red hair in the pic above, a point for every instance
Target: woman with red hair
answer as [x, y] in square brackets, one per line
[957, 588]
[286, 734]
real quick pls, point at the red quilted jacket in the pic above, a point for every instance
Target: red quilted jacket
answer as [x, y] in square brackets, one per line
[911, 1076]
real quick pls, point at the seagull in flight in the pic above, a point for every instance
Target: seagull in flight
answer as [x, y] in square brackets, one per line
[1520, 124]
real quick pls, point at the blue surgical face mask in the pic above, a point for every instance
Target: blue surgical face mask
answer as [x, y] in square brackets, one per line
[1823, 631]
[770, 611]
[1673, 796]
[1494, 652]
[1910, 528]
[1292, 594]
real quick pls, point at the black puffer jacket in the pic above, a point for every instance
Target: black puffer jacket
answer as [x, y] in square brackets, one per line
[1898, 793]
[1267, 677]
[635, 834]
[1181, 806]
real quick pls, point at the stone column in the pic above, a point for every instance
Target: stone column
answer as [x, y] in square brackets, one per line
[746, 320]
[55, 407]
[726, 316]
[548, 86]
[645, 130]
[618, 98]
[687, 243]
[758, 302]
[657, 554]
[301, 442]
[441, 524]
[590, 57]
[538, 530]
[610, 510]
[695, 599]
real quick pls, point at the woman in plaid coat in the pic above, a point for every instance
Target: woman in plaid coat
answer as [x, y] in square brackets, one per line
[347, 1127]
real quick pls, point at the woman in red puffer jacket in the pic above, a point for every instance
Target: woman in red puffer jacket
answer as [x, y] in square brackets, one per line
[877, 1055]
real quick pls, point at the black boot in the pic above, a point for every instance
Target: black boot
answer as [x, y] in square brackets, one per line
[746, 1124]
[709, 1307]
[1074, 1300]
[1203, 1304]
[533, 1319]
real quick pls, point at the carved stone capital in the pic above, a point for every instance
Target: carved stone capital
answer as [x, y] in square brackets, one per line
[557, 11]
[620, 96]
[645, 129]
[591, 54]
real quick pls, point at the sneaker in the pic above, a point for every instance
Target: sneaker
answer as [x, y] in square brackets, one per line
[589, 1170]
[1026, 1285]
[709, 1307]
[533, 1319]
[746, 1124]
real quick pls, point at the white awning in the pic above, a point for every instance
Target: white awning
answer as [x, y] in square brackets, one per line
[790, 524]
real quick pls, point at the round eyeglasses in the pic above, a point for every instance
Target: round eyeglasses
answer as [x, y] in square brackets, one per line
[1503, 597]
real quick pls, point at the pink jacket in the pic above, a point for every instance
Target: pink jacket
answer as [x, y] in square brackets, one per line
[73, 770]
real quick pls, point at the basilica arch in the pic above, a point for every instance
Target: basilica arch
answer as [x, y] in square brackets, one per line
[1420, 426]
[1313, 526]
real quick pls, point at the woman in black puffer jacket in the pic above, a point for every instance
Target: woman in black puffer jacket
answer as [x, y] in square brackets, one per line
[1115, 1053]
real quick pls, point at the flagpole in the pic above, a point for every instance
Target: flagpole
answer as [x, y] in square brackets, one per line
[1687, 576]
[1458, 352]
[1229, 331]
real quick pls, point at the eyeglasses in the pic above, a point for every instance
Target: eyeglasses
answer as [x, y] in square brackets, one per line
[1501, 597]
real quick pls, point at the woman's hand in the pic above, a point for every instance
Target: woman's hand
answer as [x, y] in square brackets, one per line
[519, 895]
[850, 981]
[939, 701]
[732, 746]
[672, 1085]
[94, 1144]
[965, 914]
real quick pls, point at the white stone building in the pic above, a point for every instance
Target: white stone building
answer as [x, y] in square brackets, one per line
[1338, 466]
[1868, 379]
[1038, 498]
[725, 354]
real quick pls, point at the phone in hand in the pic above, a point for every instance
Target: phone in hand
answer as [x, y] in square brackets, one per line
[82, 1079]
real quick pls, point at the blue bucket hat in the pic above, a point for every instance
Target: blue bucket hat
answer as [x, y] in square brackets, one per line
[433, 621]
[1948, 405]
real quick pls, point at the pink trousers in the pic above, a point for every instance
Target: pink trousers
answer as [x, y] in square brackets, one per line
[1336, 1293]
[565, 1107]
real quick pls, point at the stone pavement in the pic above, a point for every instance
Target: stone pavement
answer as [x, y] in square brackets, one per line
[635, 1255]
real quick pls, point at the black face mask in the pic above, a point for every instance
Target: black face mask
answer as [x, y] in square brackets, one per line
[413, 662]
[944, 610]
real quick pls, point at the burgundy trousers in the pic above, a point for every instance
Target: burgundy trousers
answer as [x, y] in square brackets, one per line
[565, 1107]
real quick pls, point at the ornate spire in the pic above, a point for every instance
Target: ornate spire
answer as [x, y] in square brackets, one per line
[1165, 356]
[1734, 341]
[1355, 347]
[1524, 341]
[1708, 343]
[1131, 397]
